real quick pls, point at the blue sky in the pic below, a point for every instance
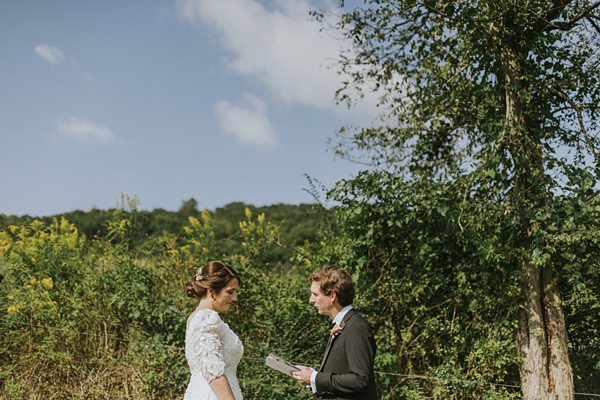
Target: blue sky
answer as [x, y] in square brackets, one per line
[166, 100]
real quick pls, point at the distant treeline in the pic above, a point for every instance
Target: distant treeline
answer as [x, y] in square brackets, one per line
[297, 223]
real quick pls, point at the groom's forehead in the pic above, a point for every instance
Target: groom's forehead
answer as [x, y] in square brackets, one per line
[314, 288]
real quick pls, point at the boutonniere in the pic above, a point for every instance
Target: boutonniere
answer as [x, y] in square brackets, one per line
[336, 330]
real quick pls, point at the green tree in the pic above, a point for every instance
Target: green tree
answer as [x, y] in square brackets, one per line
[500, 100]
[188, 207]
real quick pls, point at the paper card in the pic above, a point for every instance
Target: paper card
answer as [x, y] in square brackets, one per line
[280, 364]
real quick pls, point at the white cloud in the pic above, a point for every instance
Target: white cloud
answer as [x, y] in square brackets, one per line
[248, 124]
[84, 130]
[281, 47]
[52, 55]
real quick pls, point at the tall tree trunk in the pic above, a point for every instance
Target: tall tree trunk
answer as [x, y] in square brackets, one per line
[541, 338]
[531, 336]
[560, 374]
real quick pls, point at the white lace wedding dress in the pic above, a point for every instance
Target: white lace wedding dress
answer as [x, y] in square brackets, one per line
[211, 350]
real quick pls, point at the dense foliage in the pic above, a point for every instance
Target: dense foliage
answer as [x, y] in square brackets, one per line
[434, 269]
[104, 317]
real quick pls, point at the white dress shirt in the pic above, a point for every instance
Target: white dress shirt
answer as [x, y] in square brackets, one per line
[337, 320]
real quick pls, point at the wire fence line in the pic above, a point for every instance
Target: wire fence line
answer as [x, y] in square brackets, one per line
[180, 349]
[429, 377]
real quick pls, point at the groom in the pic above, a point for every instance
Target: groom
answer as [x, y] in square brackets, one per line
[346, 371]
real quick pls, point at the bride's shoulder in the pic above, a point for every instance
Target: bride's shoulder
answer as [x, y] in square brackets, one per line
[204, 316]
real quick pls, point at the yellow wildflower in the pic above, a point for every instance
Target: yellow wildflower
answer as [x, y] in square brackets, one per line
[12, 309]
[205, 215]
[47, 283]
[194, 222]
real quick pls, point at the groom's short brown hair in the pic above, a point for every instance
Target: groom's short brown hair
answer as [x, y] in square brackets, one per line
[335, 279]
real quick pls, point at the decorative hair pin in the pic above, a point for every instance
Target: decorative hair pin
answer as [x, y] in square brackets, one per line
[199, 276]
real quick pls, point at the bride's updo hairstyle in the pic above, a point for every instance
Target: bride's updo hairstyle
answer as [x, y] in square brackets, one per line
[215, 275]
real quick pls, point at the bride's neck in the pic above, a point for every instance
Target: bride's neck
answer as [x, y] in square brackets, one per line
[205, 302]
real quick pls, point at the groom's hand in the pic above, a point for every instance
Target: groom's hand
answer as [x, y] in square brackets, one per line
[302, 376]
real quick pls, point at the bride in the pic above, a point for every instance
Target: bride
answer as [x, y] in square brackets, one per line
[212, 350]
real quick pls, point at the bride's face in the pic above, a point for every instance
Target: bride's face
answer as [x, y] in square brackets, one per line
[226, 297]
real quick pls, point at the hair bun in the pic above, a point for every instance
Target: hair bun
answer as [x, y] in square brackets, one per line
[213, 276]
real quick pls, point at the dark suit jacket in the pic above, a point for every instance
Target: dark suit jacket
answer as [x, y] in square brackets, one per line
[346, 372]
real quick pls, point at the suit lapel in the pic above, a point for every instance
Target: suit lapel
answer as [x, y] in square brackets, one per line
[332, 338]
[329, 343]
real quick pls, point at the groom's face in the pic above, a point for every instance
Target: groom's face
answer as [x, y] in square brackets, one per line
[323, 303]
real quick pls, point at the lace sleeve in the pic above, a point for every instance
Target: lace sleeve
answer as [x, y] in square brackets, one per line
[207, 345]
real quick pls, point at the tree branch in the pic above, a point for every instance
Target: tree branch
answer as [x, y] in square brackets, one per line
[577, 108]
[594, 24]
[565, 26]
[544, 21]
[442, 14]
